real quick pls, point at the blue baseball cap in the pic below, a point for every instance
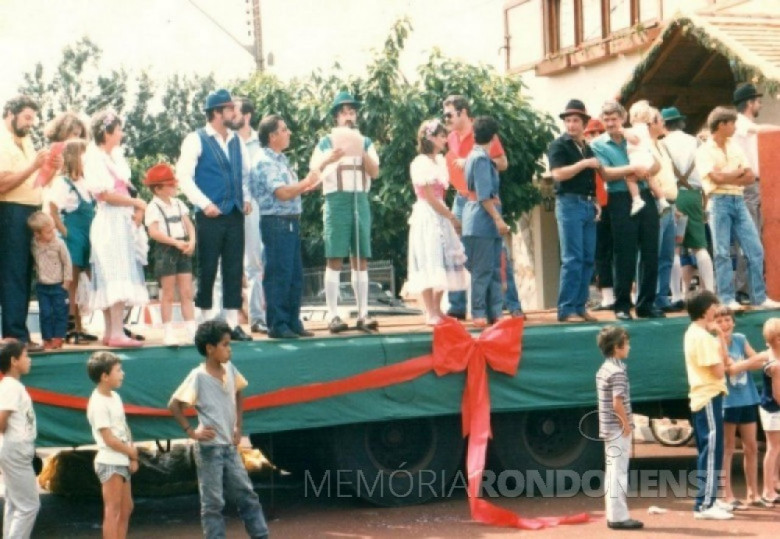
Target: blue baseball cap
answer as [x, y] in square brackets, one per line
[218, 98]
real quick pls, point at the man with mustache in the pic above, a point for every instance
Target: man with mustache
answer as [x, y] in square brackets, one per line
[19, 198]
[346, 181]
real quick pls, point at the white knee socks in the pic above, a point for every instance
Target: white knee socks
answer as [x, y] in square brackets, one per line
[706, 272]
[675, 283]
[332, 285]
[360, 286]
[231, 317]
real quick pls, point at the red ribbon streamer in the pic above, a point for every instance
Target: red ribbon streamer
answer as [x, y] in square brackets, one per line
[454, 350]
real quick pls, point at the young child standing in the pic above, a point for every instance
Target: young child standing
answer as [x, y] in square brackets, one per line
[740, 408]
[17, 443]
[770, 412]
[214, 389]
[55, 274]
[483, 226]
[72, 208]
[706, 359]
[116, 457]
[615, 424]
[168, 221]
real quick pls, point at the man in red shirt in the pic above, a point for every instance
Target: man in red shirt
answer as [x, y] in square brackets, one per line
[460, 142]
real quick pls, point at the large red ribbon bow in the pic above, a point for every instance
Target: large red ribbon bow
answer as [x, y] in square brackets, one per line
[498, 347]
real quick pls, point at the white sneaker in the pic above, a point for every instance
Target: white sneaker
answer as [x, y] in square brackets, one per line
[662, 204]
[720, 504]
[713, 513]
[636, 205]
[192, 328]
[769, 304]
[734, 305]
[169, 337]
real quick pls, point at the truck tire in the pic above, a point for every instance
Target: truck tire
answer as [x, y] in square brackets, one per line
[396, 463]
[297, 452]
[548, 440]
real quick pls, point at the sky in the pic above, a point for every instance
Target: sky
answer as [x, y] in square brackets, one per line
[174, 36]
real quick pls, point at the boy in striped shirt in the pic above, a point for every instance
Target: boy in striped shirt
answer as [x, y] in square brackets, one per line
[615, 424]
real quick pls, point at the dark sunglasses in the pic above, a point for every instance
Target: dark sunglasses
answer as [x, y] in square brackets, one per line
[448, 115]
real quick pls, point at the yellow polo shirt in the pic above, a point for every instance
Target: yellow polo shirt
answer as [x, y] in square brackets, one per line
[13, 159]
[702, 351]
[710, 157]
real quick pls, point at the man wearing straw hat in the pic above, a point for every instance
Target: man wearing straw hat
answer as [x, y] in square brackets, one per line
[346, 181]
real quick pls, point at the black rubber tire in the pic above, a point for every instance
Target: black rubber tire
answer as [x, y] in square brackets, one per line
[298, 452]
[397, 463]
[547, 440]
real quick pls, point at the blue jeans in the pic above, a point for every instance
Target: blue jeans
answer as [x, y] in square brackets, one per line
[577, 233]
[15, 269]
[708, 428]
[221, 474]
[484, 262]
[253, 265]
[53, 310]
[458, 299]
[730, 217]
[666, 243]
[511, 299]
[283, 278]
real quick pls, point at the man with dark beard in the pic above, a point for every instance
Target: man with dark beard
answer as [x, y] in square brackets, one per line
[19, 198]
[346, 181]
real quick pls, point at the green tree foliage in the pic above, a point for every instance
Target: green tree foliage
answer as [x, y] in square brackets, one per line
[393, 109]
[158, 118]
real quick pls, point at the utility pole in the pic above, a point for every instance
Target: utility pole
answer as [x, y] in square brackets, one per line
[258, 28]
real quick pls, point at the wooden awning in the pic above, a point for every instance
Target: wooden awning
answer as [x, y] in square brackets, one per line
[697, 62]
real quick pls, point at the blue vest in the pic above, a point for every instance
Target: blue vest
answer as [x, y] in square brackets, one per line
[218, 178]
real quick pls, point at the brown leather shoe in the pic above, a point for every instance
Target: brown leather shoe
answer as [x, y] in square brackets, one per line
[587, 317]
[34, 347]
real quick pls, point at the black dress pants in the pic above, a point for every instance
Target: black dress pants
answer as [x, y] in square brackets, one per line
[605, 270]
[632, 235]
[16, 266]
[220, 238]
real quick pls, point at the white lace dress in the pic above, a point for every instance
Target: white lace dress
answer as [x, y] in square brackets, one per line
[117, 275]
[436, 255]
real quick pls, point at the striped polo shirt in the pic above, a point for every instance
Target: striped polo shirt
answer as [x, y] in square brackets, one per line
[612, 381]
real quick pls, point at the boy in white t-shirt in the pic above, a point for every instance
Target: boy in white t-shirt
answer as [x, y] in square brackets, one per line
[116, 457]
[17, 443]
[168, 221]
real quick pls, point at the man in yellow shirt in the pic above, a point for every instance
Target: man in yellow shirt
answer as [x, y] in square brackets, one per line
[705, 362]
[19, 198]
[725, 173]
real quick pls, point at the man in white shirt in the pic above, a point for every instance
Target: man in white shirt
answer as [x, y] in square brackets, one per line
[747, 100]
[253, 244]
[213, 170]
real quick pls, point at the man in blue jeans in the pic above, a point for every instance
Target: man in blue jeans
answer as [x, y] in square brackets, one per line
[725, 172]
[572, 165]
[19, 198]
[460, 142]
[275, 187]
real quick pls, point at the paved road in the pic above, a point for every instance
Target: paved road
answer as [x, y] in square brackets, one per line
[296, 513]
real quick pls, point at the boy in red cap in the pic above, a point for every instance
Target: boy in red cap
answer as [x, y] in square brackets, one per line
[168, 222]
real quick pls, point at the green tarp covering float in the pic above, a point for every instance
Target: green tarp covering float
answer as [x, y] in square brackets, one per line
[556, 371]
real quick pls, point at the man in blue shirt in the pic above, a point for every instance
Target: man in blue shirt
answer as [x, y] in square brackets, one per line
[275, 187]
[483, 226]
[629, 232]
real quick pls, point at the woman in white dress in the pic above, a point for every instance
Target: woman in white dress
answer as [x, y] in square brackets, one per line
[117, 277]
[436, 255]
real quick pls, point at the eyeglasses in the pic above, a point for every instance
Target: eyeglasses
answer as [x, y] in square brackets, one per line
[448, 115]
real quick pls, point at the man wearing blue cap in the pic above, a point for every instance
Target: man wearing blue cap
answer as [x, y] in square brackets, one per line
[346, 181]
[213, 171]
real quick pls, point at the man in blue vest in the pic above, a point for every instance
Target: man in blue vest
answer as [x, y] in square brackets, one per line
[213, 170]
